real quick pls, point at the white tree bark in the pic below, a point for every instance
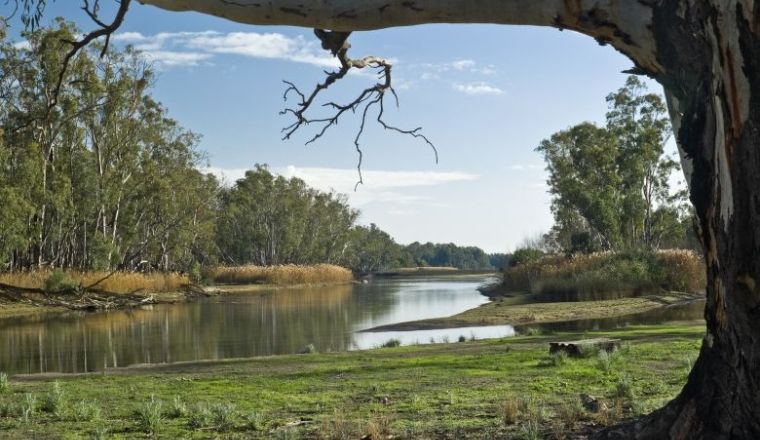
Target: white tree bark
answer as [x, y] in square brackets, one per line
[625, 24]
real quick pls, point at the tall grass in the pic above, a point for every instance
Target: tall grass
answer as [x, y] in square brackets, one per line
[119, 282]
[280, 275]
[606, 275]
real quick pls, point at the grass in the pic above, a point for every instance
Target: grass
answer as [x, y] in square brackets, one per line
[607, 275]
[454, 390]
[279, 275]
[58, 281]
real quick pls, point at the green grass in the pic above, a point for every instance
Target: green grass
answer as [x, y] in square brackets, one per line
[439, 391]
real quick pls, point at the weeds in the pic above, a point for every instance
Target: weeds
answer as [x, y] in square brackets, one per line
[223, 416]
[84, 411]
[509, 410]
[558, 359]
[604, 361]
[530, 430]
[200, 417]
[177, 409]
[28, 407]
[53, 401]
[5, 384]
[59, 281]
[254, 421]
[149, 415]
[623, 388]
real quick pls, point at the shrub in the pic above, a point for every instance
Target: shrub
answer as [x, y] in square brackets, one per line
[28, 407]
[200, 417]
[85, 411]
[391, 343]
[530, 430]
[53, 401]
[150, 416]
[462, 338]
[61, 283]
[604, 361]
[624, 388]
[223, 416]
[509, 409]
[177, 408]
[571, 411]
[254, 421]
[558, 359]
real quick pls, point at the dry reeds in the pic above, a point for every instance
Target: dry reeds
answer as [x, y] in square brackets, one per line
[596, 275]
[279, 275]
[118, 282]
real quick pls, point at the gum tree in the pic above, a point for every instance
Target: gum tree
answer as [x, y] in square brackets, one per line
[706, 54]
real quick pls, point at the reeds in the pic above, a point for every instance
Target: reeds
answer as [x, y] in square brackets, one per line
[290, 274]
[118, 282]
[602, 274]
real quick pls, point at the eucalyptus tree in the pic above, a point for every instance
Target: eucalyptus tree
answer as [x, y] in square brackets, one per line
[706, 54]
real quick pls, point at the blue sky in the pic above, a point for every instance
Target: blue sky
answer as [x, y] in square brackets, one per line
[486, 96]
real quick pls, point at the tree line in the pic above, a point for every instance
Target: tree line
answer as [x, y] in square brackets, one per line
[98, 176]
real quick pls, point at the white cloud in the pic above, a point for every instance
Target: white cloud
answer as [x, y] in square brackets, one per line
[523, 167]
[478, 88]
[462, 64]
[190, 48]
[379, 186]
[22, 45]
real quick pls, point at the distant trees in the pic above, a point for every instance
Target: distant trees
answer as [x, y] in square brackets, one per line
[610, 184]
[449, 255]
[266, 219]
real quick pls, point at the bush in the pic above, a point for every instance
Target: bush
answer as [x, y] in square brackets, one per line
[53, 401]
[85, 411]
[28, 407]
[223, 416]
[390, 343]
[149, 415]
[61, 283]
[200, 417]
[177, 409]
[509, 409]
[624, 388]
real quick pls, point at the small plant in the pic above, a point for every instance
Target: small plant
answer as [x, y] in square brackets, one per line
[571, 411]
[177, 408]
[60, 282]
[28, 407]
[84, 411]
[5, 384]
[200, 417]
[530, 430]
[558, 359]
[623, 388]
[604, 361]
[100, 433]
[390, 343]
[509, 409]
[150, 416]
[254, 421]
[223, 416]
[462, 338]
[53, 401]
[445, 339]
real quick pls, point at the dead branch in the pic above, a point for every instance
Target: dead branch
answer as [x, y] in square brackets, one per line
[371, 97]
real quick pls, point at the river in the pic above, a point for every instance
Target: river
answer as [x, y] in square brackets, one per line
[243, 325]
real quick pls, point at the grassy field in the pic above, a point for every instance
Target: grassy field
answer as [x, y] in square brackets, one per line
[509, 388]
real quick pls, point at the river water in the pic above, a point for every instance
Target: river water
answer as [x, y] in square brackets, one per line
[243, 325]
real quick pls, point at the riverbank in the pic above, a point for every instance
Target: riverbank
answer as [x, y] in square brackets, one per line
[507, 388]
[47, 291]
[517, 310]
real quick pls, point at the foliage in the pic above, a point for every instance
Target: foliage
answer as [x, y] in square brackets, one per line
[610, 184]
[600, 275]
[103, 180]
[60, 282]
[150, 416]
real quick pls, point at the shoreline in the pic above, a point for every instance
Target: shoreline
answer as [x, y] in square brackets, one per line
[517, 311]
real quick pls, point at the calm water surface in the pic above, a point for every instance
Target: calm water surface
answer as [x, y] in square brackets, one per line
[275, 322]
[238, 325]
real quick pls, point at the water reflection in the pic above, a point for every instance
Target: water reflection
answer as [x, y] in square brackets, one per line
[233, 326]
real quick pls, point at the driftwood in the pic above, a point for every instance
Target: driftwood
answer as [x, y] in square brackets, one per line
[584, 346]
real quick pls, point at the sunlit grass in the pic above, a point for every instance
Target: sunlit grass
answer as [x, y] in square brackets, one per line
[281, 275]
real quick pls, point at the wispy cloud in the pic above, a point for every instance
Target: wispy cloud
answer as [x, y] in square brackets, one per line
[172, 49]
[478, 88]
[379, 185]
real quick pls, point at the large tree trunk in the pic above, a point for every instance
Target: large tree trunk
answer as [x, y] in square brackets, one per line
[706, 54]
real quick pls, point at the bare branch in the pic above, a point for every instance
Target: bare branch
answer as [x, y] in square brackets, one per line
[371, 97]
[106, 30]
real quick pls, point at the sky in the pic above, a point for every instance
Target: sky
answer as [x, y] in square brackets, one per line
[485, 95]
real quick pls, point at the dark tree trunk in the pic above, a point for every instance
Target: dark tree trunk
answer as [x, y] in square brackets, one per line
[711, 56]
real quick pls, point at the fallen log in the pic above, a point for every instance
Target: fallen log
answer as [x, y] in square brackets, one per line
[583, 347]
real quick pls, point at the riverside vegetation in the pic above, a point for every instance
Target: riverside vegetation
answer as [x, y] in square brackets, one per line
[489, 389]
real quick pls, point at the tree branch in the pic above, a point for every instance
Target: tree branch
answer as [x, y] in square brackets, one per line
[371, 97]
